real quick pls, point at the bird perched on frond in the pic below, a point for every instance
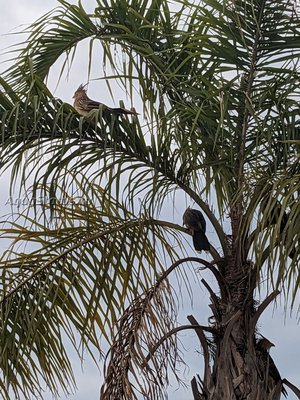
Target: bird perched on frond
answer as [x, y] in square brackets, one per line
[83, 105]
[195, 222]
[266, 366]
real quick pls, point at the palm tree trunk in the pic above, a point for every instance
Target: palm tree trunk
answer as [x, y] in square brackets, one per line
[232, 363]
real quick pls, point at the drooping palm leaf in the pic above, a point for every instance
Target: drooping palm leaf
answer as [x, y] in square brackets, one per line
[89, 261]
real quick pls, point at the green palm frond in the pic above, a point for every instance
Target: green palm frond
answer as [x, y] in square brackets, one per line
[54, 138]
[55, 34]
[89, 261]
[223, 85]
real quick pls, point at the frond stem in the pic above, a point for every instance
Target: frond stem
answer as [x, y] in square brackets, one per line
[261, 309]
[237, 210]
[176, 330]
[112, 230]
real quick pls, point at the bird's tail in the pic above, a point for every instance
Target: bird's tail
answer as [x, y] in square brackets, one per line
[120, 111]
[200, 241]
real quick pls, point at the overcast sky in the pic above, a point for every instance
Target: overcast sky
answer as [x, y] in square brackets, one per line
[280, 328]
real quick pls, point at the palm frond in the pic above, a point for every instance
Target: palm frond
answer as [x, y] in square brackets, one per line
[89, 261]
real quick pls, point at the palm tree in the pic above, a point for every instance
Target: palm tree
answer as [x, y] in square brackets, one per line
[219, 84]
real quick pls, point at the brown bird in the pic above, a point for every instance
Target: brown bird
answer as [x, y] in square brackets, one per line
[267, 368]
[195, 222]
[83, 105]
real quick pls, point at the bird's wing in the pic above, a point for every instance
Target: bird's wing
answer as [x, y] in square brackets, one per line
[201, 221]
[121, 111]
[92, 104]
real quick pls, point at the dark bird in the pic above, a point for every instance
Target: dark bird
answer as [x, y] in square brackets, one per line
[83, 104]
[195, 222]
[266, 366]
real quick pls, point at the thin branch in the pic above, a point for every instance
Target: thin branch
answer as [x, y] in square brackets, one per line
[203, 341]
[206, 264]
[215, 255]
[225, 293]
[261, 309]
[214, 299]
[173, 331]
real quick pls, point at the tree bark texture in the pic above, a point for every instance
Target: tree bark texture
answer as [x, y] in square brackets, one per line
[235, 368]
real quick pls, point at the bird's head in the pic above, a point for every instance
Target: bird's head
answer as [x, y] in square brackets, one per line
[80, 91]
[185, 214]
[265, 344]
